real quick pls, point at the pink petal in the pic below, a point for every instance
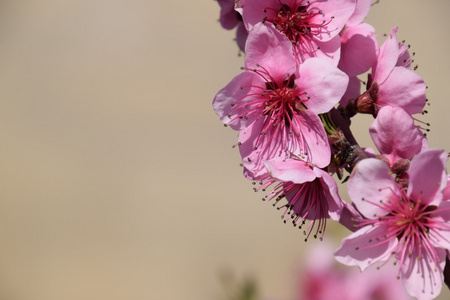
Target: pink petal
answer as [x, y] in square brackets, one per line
[329, 50]
[339, 10]
[315, 139]
[312, 144]
[361, 11]
[440, 235]
[349, 217]
[330, 188]
[387, 57]
[270, 49]
[253, 11]
[395, 134]
[324, 84]
[359, 49]
[404, 59]
[293, 170]
[233, 94]
[251, 158]
[427, 177]
[421, 277]
[365, 247]
[369, 184]
[403, 88]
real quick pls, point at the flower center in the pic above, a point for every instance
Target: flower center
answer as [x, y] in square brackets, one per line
[299, 23]
[282, 102]
[277, 103]
[409, 221]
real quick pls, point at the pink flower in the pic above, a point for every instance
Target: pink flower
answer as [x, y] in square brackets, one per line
[393, 83]
[275, 104]
[397, 137]
[322, 279]
[312, 26]
[409, 225]
[311, 194]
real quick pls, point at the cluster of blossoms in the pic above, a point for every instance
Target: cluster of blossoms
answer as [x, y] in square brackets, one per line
[292, 105]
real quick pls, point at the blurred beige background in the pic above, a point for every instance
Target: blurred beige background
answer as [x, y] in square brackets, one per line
[117, 180]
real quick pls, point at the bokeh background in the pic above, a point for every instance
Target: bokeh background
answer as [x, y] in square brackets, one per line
[118, 181]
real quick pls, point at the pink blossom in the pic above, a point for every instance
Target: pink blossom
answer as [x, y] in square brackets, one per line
[311, 194]
[397, 137]
[275, 104]
[397, 85]
[409, 224]
[322, 279]
[312, 26]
